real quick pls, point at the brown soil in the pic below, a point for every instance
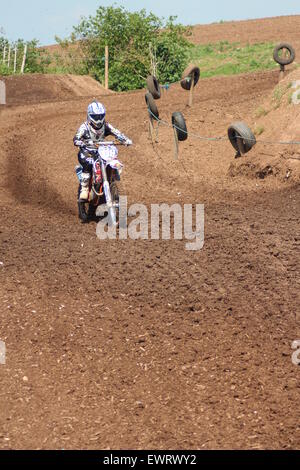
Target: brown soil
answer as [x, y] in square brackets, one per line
[40, 88]
[275, 120]
[279, 29]
[132, 345]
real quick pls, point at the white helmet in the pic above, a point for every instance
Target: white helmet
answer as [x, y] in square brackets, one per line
[96, 115]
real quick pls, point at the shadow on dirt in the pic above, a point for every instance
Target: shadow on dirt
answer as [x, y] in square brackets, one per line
[29, 186]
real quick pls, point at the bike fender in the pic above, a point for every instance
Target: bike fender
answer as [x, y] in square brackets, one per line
[115, 165]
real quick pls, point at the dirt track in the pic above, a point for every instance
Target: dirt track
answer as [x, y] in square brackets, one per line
[142, 344]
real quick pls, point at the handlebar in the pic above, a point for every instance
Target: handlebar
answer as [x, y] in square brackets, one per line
[107, 142]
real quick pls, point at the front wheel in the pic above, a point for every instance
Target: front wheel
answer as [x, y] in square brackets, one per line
[115, 196]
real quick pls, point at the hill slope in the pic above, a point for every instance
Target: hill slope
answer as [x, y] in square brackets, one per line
[275, 120]
[278, 29]
[37, 88]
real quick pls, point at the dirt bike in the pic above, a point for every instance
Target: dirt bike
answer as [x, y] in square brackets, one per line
[104, 182]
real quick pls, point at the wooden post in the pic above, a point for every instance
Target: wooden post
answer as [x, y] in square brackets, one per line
[24, 59]
[15, 60]
[192, 91]
[176, 147]
[151, 128]
[4, 54]
[281, 73]
[153, 60]
[106, 67]
[8, 58]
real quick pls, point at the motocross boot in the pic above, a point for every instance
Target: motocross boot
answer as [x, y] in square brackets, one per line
[84, 190]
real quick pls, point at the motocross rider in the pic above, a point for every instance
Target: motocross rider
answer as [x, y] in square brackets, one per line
[92, 131]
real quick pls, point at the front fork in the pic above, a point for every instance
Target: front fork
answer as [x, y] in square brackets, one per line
[106, 188]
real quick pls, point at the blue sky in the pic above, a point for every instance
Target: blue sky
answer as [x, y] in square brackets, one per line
[43, 20]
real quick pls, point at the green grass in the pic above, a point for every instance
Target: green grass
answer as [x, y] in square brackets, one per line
[278, 93]
[226, 58]
[4, 70]
[261, 111]
[259, 130]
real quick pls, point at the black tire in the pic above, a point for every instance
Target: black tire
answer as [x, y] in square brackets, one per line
[241, 137]
[115, 195]
[190, 71]
[284, 60]
[152, 108]
[179, 123]
[153, 87]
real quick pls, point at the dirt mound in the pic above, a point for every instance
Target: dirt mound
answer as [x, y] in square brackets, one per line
[275, 120]
[37, 88]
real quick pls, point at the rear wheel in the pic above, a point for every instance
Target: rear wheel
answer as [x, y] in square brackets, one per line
[86, 210]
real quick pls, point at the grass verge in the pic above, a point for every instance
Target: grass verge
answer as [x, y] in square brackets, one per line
[226, 58]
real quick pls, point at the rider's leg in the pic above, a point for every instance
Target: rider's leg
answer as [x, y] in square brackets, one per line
[85, 176]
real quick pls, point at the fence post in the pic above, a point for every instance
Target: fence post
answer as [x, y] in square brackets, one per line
[106, 67]
[24, 59]
[15, 60]
[8, 58]
[153, 60]
[176, 147]
[151, 129]
[192, 91]
[281, 73]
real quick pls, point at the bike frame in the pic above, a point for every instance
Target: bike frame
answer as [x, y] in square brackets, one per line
[106, 159]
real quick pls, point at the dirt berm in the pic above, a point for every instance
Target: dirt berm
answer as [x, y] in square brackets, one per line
[38, 88]
[275, 120]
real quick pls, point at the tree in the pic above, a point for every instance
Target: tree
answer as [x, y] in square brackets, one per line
[37, 59]
[4, 45]
[138, 43]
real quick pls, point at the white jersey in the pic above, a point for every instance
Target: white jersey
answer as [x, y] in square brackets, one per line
[86, 135]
